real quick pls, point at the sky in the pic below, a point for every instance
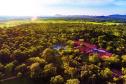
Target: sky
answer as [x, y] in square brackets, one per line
[61, 7]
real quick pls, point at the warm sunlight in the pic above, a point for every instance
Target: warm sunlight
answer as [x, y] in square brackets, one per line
[65, 7]
[62, 41]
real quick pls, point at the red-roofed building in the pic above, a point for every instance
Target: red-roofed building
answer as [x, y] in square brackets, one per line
[88, 48]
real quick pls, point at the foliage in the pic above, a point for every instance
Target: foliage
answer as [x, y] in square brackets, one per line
[57, 80]
[106, 73]
[48, 52]
[94, 58]
[73, 81]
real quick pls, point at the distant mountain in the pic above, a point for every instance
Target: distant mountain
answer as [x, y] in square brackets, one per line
[117, 16]
[111, 18]
[114, 18]
[7, 18]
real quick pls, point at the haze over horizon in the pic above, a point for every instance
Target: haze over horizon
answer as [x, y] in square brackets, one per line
[62, 7]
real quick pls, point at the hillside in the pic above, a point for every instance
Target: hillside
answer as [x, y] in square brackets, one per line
[110, 18]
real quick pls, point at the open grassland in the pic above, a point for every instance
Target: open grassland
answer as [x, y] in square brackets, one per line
[19, 22]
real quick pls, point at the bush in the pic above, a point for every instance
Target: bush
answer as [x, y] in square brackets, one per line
[57, 80]
[73, 81]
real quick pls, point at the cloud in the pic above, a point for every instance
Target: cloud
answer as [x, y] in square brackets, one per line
[103, 7]
[52, 7]
[120, 3]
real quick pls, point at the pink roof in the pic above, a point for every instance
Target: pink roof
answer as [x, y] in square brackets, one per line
[77, 43]
[88, 48]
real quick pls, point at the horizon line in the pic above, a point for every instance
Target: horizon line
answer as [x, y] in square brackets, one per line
[55, 15]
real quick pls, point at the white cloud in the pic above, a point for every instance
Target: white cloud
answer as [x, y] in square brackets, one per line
[120, 3]
[18, 7]
[79, 1]
[49, 7]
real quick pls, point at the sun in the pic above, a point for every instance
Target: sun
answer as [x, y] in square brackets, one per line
[34, 18]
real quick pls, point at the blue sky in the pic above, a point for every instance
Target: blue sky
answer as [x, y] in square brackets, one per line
[63, 7]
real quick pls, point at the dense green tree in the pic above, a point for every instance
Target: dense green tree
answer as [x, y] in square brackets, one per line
[5, 55]
[73, 81]
[106, 73]
[28, 50]
[94, 58]
[9, 68]
[57, 80]
[50, 70]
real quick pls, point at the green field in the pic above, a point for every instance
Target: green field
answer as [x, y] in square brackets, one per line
[19, 22]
